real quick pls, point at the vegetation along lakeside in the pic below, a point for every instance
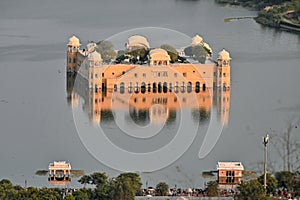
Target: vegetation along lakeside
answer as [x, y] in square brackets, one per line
[282, 14]
[128, 186]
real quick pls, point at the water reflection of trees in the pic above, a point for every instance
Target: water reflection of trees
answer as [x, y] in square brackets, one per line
[200, 115]
[172, 116]
[140, 117]
[107, 116]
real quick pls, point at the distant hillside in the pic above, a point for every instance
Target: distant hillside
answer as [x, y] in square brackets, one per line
[283, 14]
[255, 4]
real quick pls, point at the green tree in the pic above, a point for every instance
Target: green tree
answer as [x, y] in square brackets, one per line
[171, 51]
[85, 179]
[6, 190]
[197, 52]
[47, 193]
[125, 186]
[285, 179]
[102, 192]
[69, 197]
[81, 194]
[6, 184]
[212, 189]
[271, 183]
[296, 4]
[98, 178]
[251, 190]
[188, 51]
[138, 54]
[105, 48]
[162, 189]
[249, 175]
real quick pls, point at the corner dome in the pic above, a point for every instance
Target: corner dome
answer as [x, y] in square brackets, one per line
[159, 54]
[74, 41]
[137, 41]
[224, 55]
[95, 56]
[197, 40]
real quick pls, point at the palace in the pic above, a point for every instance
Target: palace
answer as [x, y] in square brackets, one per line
[156, 73]
[143, 83]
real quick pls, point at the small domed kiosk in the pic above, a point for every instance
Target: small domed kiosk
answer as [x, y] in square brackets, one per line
[223, 69]
[72, 57]
[159, 57]
[224, 56]
[59, 173]
[74, 42]
[136, 42]
[197, 40]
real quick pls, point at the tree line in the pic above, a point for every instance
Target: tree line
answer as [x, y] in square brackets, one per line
[123, 187]
[126, 186]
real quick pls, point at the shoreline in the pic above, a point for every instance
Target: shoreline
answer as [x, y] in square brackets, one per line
[264, 17]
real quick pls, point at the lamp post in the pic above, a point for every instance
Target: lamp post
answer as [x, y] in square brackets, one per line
[265, 142]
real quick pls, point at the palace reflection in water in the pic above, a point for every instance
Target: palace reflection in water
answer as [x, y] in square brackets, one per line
[152, 87]
[155, 107]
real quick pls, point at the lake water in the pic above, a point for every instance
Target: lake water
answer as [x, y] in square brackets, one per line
[37, 125]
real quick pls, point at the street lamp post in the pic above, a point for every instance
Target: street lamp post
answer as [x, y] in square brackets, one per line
[265, 142]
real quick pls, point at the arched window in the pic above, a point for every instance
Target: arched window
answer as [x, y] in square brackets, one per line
[189, 87]
[130, 87]
[204, 87]
[136, 87]
[96, 88]
[176, 88]
[197, 88]
[159, 87]
[183, 87]
[122, 87]
[154, 88]
[170, 87]
[165, 87]
[143, 87]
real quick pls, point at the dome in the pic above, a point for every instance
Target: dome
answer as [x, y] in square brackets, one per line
[138, 41]
[224, 55]
[74, 41]
[159, 54]
[197, 40]
[95, 56]
[158, 51]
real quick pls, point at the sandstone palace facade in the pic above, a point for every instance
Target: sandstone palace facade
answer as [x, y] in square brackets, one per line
[156, 74]
[142, 83]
